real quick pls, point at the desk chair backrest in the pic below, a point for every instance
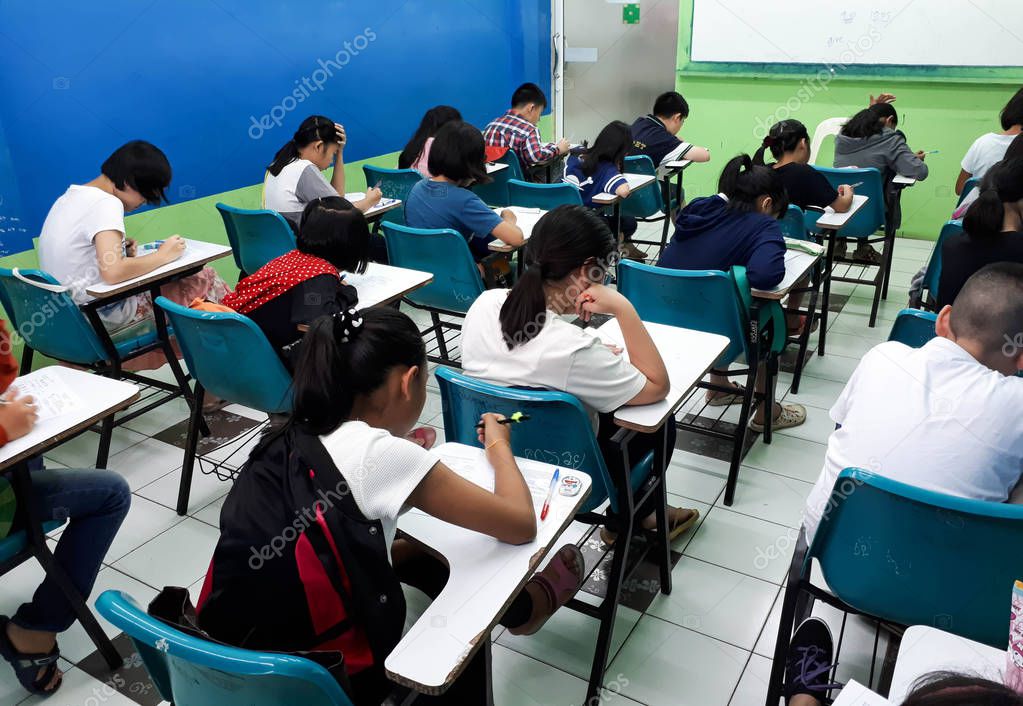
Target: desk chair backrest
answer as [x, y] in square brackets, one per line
[793, 223]
[230, 357]
[913, 327]
[933, 274]
[917, 557]
[190, 671]
[395, 184]
[703, 300]
[647, 202]
[871, 217]
[543, 196]
[49, 321]
[444, 252]
[827, 128]
[559, 431]
[970, 184]
[496, 192]
[256, 237]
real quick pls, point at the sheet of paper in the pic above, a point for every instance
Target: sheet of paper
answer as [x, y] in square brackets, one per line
[472, 464]
[52, 395]
[855, 694]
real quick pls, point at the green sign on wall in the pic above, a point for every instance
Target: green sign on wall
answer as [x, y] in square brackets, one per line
[630, 13]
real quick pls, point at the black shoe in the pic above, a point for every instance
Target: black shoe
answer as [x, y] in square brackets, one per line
[810, 661]
[841, 248]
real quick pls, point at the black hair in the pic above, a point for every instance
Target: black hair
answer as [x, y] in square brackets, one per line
[989, 307]
[670, 104]
[313, 129]
[611, 145]
[744, 183]
[1001, 185]
[528, 93]
[781, 138]
[1012, 113]
[1015, 148]
[950, 689]
[867, 122]
[142, 166]
[458, 153]
[428, 126]
[333, 229]
[563, 240]
[347, 355]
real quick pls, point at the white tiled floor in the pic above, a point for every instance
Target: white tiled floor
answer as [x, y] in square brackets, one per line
[709, 643]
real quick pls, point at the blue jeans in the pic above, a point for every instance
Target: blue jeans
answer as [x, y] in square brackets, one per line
[96, 502]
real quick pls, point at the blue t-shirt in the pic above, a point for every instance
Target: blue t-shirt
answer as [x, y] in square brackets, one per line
[439, 204]
[605, 180]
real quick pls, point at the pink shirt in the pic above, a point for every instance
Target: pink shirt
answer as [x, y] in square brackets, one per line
[422, 162]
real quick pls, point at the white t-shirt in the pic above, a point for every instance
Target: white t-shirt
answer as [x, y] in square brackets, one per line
[931, 417]
[985, 151]
[560, 357]
[67, 248]
[381, 470]
[298, 183]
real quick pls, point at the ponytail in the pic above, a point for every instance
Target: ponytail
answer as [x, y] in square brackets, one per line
[745, 183]
[347, 356]
[562, 241]
[1002, 184]
[781, 138]
[315, 128]
[758, 156]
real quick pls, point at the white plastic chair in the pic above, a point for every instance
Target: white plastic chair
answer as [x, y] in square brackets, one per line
[831, 126]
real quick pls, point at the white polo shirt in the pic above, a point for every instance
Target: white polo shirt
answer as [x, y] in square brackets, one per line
[932, 417]
[985, 151]
[560, 357]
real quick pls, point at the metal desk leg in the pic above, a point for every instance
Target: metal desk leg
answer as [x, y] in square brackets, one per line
[829, 262]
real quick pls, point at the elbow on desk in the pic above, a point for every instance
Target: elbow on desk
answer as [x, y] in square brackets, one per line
[522, 531]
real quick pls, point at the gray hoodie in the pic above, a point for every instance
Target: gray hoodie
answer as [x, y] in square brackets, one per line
[886, 152]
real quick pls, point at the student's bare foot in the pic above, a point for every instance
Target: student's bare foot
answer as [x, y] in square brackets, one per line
[17, 643]
[553, 587]
[680, 519]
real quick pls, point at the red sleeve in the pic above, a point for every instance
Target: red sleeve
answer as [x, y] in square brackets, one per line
[8, 365]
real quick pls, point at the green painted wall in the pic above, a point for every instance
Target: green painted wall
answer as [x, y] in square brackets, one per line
[729, 113]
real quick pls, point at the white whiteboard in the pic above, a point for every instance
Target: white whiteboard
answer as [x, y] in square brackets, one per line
[850, 32]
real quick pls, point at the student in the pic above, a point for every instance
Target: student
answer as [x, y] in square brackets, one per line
[789, 143]
[517, 338]
[739, 226]
[599, 169]
[992, 230]
[295, 177]
[83, 243]
[656, 135]
[360, 385]
[990, 148]
[457, 160]
[300, 286]
[416, 154]
[811, 660]
[870, 139]
[1014, 150]
[517, 130]
[958, 434]
[96, 503]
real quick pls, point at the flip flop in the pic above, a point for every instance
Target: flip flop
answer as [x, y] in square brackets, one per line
[674, 532]
[727, 398]
[558, 582]
[26, 665]
[798, 331]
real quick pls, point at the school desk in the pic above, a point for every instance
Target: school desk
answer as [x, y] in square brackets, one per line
[493, 167]
[376, 212]
[485, 574]
[903, 180]
[197, 255]
[525, 219]
[925, 649]
[830, 224]
[384, 284]
[673, 170]
[69, 401]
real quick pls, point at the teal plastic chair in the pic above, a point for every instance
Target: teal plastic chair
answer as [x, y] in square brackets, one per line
[560, 433]
[456, 279]
[913, 327]
[395, 184]
[715, 302]
[14, 547]
[190, 671]
[800, 224]
[543, 196]
[229, 356]
[933, 273]
[908, 556]
[648, 205]
[971, 184]
[495, 193]
[256, 237]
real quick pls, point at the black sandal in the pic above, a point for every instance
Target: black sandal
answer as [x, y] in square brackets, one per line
[26, 666]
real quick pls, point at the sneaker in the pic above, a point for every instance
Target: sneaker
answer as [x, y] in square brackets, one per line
[810, 661]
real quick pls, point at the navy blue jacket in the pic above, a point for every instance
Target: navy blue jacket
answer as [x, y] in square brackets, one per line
[711, 236]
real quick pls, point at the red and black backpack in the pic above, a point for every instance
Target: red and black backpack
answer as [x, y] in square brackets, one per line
[298, 567]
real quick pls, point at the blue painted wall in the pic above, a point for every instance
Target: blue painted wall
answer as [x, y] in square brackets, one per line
[219, 85]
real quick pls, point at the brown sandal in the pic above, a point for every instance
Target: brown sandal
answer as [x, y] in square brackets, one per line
[558, 582]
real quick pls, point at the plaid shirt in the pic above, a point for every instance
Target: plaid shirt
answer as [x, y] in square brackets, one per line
[521, 137]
